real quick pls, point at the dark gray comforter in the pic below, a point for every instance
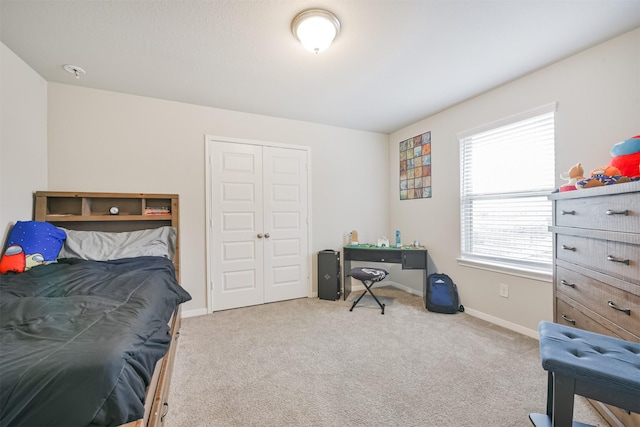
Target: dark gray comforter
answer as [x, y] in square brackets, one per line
[79, 340]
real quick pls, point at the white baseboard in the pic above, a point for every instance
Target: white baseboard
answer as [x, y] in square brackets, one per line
[405, 288]
[194, 313]
[501, 322]
[480, 315]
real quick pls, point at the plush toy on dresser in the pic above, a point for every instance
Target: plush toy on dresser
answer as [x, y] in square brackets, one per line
[625, 156]
[624, 166]
[605, 175]
[575, 174]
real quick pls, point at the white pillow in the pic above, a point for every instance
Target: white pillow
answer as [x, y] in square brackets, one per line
[105, 246]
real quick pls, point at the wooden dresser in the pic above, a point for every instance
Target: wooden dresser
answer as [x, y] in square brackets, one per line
[597, 267]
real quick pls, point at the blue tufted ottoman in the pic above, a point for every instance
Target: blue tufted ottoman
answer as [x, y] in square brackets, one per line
[368, 276]
[592, 365]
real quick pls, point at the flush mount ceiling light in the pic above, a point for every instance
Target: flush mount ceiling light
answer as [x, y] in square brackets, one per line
[75, 70]
[316, 29]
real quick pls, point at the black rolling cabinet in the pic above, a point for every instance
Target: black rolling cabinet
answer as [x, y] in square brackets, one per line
[329, 275]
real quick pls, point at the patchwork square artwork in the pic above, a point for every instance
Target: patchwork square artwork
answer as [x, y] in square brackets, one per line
[415, 167]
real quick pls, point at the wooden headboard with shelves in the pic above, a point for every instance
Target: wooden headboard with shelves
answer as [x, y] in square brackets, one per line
[91, 212]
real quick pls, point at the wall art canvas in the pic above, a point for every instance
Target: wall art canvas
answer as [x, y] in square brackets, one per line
[415, 167]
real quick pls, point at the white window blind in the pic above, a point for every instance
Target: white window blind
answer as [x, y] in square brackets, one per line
[507, 172]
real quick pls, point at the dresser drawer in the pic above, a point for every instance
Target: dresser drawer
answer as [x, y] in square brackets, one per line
[624, 418]
[606, 300]
[618, 259]
[619, 212]
[569, 315]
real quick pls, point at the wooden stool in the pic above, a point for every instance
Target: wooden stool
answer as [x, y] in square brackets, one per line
[592, 365]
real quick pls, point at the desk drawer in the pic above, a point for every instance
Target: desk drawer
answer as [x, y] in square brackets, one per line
[620, 212]
[414, 260]
[373, 255]
[618, 259]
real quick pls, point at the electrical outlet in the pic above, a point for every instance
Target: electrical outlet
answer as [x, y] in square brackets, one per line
[504, 290]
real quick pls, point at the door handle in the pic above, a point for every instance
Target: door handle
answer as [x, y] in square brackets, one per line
[260, 235]
[267, 235]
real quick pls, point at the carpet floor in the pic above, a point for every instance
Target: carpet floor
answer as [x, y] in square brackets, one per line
[310, 362]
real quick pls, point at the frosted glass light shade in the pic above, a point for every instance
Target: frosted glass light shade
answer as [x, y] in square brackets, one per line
[316, 29]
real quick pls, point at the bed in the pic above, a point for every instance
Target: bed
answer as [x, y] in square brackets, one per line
[89, 340]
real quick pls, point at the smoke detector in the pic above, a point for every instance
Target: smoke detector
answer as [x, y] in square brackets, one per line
[75, 70]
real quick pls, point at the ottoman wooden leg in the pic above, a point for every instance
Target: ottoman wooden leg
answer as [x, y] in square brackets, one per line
[563, 397]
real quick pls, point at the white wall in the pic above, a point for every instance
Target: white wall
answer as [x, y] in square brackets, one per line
[598, 95]
[23, 139]
[106, 141]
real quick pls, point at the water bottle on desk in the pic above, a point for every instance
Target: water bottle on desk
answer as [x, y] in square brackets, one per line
[398, 239]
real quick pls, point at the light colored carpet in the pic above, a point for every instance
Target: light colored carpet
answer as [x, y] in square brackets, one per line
[311, 362]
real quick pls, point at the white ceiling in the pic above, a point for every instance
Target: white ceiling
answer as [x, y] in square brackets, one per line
[395, 62]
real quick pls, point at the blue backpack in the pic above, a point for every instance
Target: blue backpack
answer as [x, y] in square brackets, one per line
[441, 295]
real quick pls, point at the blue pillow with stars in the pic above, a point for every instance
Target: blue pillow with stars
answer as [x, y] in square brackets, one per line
[31, 243]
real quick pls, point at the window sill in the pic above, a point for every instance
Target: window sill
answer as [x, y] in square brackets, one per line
[528, 273]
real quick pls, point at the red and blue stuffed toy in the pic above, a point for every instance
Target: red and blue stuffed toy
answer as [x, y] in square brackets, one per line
[625, 156]
[31, 243]
[624, 166]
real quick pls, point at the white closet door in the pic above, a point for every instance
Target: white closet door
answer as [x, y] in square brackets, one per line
[237, 221]
[285, 219]
[258, 244]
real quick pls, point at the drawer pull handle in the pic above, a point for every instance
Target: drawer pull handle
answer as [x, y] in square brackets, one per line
[571, 285]
[569, 248]
[567, 319]
[612, 212]
[620, 260]
[613, 305]
[165, 406]
[568, 212]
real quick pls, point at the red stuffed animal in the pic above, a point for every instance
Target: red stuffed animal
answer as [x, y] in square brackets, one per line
[625, 156]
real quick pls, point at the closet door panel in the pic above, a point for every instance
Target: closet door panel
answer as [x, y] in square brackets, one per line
[237, 200]
[285, 216]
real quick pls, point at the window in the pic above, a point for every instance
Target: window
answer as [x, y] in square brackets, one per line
[507, 172]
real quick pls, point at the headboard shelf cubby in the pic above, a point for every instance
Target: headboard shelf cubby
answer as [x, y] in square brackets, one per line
[93, 212]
